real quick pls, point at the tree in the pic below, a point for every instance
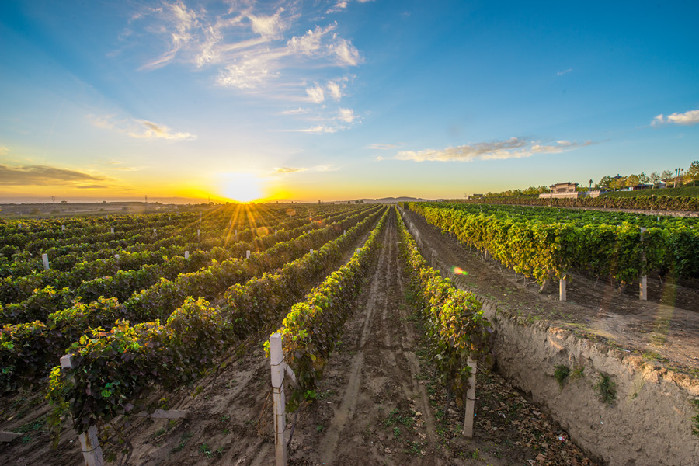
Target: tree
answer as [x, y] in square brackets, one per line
[590, 184]
[643, 178]
[666, 175]
[693, 171]
[606, 182]
[654, 177]
[619, 183]
[631, 180]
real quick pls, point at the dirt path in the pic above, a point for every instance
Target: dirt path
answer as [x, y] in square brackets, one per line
[380, 401]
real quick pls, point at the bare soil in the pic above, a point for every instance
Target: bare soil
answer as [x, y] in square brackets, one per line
[381, 401]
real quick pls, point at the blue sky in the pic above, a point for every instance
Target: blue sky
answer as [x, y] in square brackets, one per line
[340, 100]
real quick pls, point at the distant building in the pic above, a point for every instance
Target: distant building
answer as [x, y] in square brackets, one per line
[562, 190]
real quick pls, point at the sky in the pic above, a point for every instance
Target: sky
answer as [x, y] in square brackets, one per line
[336, 100]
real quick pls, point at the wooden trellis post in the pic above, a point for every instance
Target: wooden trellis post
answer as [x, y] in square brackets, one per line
[470, 399]
[643, 292]
[45, 260]
[89, 443]
[279, 368]
[562, 289]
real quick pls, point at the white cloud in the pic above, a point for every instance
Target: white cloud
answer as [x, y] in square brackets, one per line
[507, 149]
[269, 26]
[346, 53]
[316, 94]
[152, 130]
[382, 146]
[4, 150]
[140, 129]
[289, 170]
[347, 115]
[179, 23]
[690, 117]
[335, 90]
[561, 73]
[316, 169]
[295, 111]
[342, 5]
[248, 46]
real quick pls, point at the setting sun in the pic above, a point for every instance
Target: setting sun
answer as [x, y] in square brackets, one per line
[242, 187]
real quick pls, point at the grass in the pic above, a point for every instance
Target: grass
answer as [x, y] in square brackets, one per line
[561, 374]
[183, 441]
[395, 417]
[606, 389]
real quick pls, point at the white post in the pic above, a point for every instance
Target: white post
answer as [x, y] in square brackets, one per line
[153, 230]
[344, 232]
[63, 228]
[186, 254]
[117, 257]
[643, 292]
[198, 234]
[247, 254]
[92, 452]
[562, 289]
[276, 360]
[311, 251]
[236, 235]
[111, 230]
[45, 259]
[470, 399]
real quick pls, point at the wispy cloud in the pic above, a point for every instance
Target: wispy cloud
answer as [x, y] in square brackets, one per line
[690, 117]
[289, 170]
[295, 111]
[43, 175]
[382, 146]
[180, 22]
[257, 48]
[155, 131]
[342, 4]
[248, 48]
[331, 123]
[561, 73]
[140, 129]
[346, 115]
[316, 94]
[513, 148]
[318, 129]
[315, 168]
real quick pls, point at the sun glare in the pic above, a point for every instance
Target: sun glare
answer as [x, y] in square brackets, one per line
[242, 187]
